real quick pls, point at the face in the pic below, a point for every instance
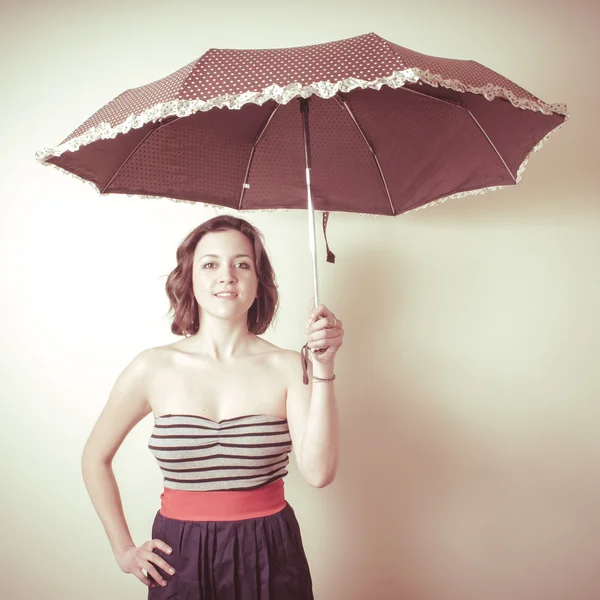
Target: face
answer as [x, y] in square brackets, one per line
[224, 277]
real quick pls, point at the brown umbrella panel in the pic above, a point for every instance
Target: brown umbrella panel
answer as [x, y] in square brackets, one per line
[391, 130]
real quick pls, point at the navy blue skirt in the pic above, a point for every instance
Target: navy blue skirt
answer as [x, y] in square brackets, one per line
[249, 559]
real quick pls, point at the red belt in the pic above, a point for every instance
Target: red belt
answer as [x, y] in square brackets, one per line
[223, 505]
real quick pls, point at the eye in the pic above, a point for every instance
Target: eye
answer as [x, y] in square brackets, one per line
[243, 265]
[208, 265]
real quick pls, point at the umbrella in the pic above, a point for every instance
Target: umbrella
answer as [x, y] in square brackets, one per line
[358, 125]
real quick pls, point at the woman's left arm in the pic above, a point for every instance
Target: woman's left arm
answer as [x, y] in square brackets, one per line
[311, 409]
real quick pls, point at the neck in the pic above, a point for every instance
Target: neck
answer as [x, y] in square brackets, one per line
[221, 339]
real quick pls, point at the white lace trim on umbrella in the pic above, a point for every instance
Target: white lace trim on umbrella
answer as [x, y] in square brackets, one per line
[283, 95]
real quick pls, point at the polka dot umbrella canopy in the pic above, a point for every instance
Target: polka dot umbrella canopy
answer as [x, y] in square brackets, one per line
[384, 129]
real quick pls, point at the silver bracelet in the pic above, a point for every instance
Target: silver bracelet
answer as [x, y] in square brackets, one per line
[321, 380]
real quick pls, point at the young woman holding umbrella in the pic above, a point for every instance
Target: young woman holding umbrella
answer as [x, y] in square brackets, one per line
[228, 406]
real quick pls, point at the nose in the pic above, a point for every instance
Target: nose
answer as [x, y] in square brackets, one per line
[226, 274]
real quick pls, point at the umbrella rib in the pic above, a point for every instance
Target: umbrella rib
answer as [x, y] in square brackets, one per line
[246, 185]
[344, 103]
[126, 160]
[460, 105]
[491, 143]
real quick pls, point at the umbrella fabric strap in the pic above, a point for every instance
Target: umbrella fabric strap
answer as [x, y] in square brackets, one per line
[330, 254]
[304, 361]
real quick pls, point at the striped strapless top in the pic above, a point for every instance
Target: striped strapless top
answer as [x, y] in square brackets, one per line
[242, 453]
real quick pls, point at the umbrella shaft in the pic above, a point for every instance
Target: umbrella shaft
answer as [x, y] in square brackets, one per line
[312, 238]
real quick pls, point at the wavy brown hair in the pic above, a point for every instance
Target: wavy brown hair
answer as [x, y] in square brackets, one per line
[184, 307]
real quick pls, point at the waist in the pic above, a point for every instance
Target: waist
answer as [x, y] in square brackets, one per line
[223, 505]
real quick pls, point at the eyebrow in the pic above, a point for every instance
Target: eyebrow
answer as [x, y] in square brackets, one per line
[217, 256]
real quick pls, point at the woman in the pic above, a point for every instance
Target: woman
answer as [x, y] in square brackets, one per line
[228, 406]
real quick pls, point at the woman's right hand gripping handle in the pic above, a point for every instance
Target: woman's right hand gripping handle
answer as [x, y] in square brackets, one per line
[137, 559]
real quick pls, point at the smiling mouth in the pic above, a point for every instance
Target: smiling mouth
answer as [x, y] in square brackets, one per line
[226, 295]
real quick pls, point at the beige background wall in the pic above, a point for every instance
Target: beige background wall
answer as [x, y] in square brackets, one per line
[469, 387]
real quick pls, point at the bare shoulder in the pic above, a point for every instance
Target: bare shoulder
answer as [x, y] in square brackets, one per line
[138, 373]
[127, 404]
[154, 360]
[131, 389]
[160, 354]
[144, 362]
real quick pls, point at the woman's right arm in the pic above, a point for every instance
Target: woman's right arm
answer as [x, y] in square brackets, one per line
[127, 405]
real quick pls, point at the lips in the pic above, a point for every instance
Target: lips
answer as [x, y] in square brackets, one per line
[226, 295]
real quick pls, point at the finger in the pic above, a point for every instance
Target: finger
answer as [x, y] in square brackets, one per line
[159, 561]
[329, 322]
[140, 575]
[157, 558]
[323, 355]
[145, 560]
[318, 313]
[156, 543]
[163, 564]
[330, 342]
[322, 334]
[155, 575]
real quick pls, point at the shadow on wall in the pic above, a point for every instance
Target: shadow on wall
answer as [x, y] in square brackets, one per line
[398, 449]
[408, 466]
[436, 506]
